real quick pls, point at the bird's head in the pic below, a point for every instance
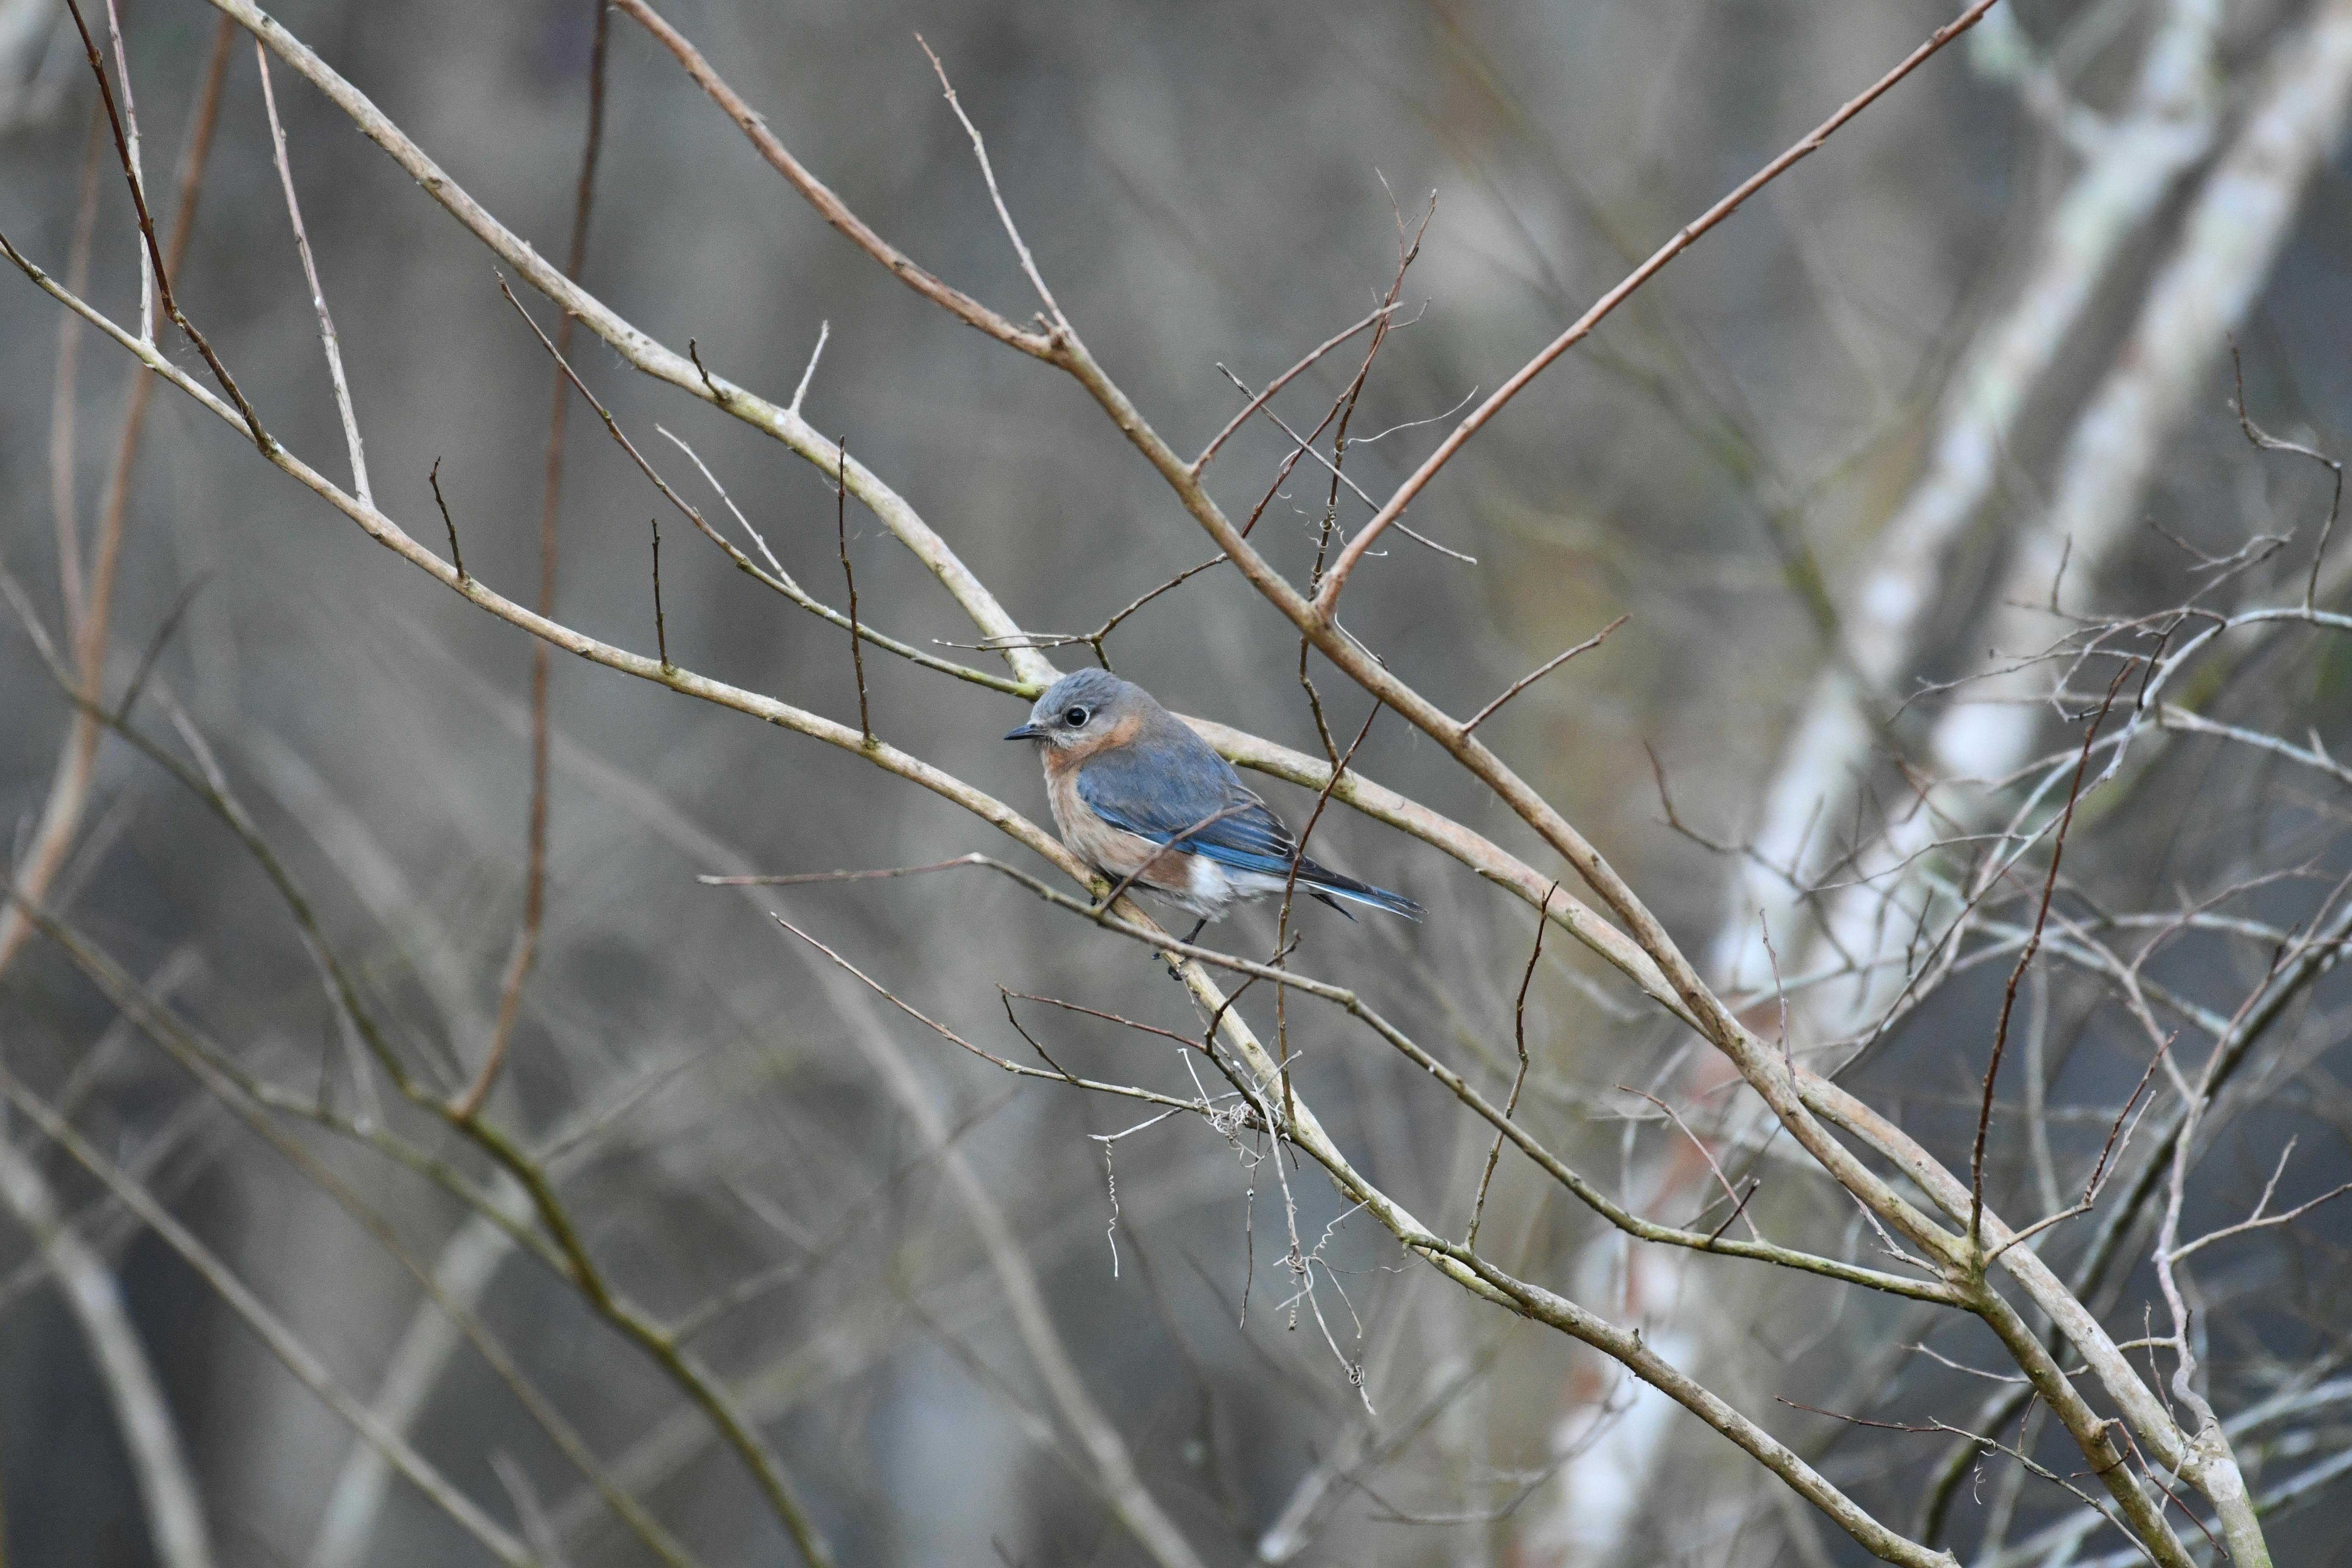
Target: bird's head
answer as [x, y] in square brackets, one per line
[1081, 709]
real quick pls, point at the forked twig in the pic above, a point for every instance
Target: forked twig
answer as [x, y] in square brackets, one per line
[1738, 1199]
[2097, 1181]
[2258, 1220]
[1210, 451]
[988, 173]
[2270, 443]
[831, 207]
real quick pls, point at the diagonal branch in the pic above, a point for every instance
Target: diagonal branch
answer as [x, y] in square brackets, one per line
[317, 295]
[829, 207]
[161, 273]
[1326, 601]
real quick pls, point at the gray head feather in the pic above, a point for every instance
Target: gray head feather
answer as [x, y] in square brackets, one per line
[1081, 704]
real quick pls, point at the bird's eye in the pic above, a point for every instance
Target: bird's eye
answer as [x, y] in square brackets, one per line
[1076, 718]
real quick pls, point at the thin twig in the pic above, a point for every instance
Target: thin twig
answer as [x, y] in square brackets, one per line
[1124, 1091]
[132, 162]
[2097, 1181]
[63, 403]
[162, 272]
[1298, 859]
[44, 857]
[661, 629]
[1738, 1199]
[1519, 1079]
[754, 125]
[808, 374]
[1305, 447]
[1285, 379]
[2258, 1220]
[796, 878]
[780, 580]
[1326, 601]
[1171, 845]
[317, 295]
[456, 559]
[988, 173]
[2270, 443]
[1540, 671]
[841, 541]
[534, 891]
[155, 644]
[2025, 961]
[1093, 639]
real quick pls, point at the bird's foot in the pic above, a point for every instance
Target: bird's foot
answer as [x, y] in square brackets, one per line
[1176, 964]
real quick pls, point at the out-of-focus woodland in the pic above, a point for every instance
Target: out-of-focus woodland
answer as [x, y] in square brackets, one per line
[428, 1139]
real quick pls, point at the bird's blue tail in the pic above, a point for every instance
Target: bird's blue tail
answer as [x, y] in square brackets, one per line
[1332, 886]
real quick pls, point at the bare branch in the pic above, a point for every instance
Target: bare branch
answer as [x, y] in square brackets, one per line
[1326, 600]
[310, 272]
[830, 207]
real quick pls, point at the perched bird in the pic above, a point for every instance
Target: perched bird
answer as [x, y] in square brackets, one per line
[1136, 794]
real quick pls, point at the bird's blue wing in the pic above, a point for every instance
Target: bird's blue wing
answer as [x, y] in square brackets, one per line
[1159, 797]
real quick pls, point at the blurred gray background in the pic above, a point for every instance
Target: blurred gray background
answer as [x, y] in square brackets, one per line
[1205, 184]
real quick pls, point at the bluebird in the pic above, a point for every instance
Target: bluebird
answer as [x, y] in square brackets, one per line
[1137, 794]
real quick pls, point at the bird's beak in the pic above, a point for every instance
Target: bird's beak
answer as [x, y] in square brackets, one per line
[1026, 732]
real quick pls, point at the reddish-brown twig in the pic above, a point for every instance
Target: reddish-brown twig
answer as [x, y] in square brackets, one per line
[161, 270]
[88, 623]
[534, 892]
[1208, 452]
[955, 302]
[1326, 601]
[2025, 961]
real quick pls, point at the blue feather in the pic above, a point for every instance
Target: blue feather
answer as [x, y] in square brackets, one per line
[1174, 786]
[1158, 799]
